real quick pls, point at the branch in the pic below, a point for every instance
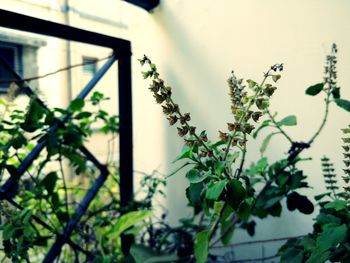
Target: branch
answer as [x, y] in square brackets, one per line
[279, 127]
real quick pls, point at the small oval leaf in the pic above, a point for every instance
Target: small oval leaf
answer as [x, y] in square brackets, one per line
[344, 104]
[314, 89]
[215, 190]
[290, 120]
[201, 246]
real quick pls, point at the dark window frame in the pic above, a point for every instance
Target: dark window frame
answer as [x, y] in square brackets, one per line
[16, 62]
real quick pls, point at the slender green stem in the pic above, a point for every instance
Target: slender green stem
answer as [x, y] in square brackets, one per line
[279, 127]
[324, 120]
[233, 222]
[244, 152]
[327, 101]
[217, 221]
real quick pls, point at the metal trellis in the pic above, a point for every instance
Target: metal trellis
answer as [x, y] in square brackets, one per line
[122, 53]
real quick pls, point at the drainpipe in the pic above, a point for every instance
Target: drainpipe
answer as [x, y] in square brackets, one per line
[68, 53]
[69, 94]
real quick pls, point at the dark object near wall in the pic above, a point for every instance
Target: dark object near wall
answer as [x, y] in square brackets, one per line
[145, 4]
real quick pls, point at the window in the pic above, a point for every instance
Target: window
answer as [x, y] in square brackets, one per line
[89, 66]
[20, 53]
[12, 54]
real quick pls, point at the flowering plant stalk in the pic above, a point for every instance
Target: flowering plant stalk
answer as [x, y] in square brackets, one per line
[223, 192]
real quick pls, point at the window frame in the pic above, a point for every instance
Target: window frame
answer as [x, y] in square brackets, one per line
[17, 62]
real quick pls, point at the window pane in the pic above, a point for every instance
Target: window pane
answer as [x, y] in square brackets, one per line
[89, 66]
[11, 53]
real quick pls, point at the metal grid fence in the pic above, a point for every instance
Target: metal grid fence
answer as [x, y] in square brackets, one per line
[122, 54]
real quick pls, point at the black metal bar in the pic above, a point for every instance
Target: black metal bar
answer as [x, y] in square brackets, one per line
[96, 78]
[122, 51]
[79, 212]
[91, 157]
[40, 26]
[125, 143]
[11, 182]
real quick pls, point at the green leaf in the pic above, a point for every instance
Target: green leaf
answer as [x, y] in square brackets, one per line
[308, 243]
[186, 154]
[258, 168]
[49, 182]
[143, 254]
[153, 67]
[96, 98]
[226, 213]
[18, 141]
[290, 120]
[325, 219]
[251, 83]
[331, 236]
[217, 207]
[8, 231]
[219, 167]
[337, 205]
[266, 142]
[193, 193]
[128, 220]
[318, 256]
[145, 74]
[226, 231]
[344, 104]
[215, 189]
[346, 130]
[275, 210]
[231, 158]
[2, 102]
[195, 176]
[336, 93]
[314, 89]
[320, 196]
[27, 216]
[300, 202]
[264, 124]
[292, 255]
[275, 78]
[273, 201]
[296, 180]
[55, 200]
[250, 227]
[235, 193]
[201, 245]
[82, 115]
[76, 105]
[244, 211]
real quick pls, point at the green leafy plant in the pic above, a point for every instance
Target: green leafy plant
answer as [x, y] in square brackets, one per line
[226, 195]
[44, 200]
[330, 237]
